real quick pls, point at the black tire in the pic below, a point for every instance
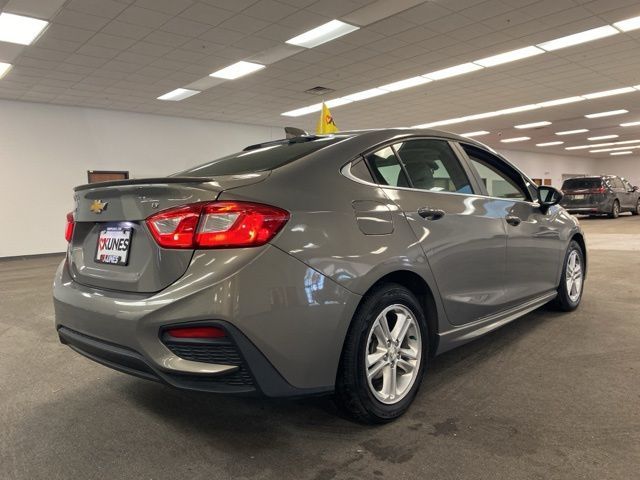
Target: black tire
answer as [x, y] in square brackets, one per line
[637, 209]
[353, 394]
[615, 209]
[563, 301]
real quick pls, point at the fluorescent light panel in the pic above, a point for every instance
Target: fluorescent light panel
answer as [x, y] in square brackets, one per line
[572, 132]
[630, 124]
[560, 101]
[621, 153]
[4, 69]
[336, 102]
[578, 38]
[237, 70]
[507, 57]
[453, 71]
[515, 139]
[407, 83]
[178, 94]
[19, 29]
[533, 125]
[609, 93]
[628, 24]
[475, 134]
[548, 144]
[606, 114]
[303, 111]
[373, 92]
[322, 34]
[603, 137]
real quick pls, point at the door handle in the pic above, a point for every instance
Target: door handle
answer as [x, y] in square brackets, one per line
[431, 213]
[513, 220]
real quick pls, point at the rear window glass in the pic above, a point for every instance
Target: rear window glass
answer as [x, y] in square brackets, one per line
[579, 183]
[260, 159]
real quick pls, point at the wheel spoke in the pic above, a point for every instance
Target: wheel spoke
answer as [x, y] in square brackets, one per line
[381, 331]
[374, 357]
[406, 366]
[374, 372]
[389, 381]
[401, 327]
[408, 353]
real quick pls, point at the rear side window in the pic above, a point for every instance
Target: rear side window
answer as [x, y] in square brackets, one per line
[386, 168]
[432, 165]
[581, 183]
[266, 157]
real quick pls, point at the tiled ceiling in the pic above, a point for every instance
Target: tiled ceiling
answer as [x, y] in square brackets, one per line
[123, 54]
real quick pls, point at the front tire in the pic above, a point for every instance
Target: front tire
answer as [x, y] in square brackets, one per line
[572, 280]
[384, 356]
[636, 211]
[615, 210]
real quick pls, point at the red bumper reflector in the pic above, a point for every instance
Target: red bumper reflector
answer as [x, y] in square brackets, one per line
[196, 332]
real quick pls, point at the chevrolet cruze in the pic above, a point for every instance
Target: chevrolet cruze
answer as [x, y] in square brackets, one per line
[316, 264]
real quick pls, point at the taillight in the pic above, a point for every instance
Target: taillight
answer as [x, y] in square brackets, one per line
[217, 225]
[196, 332]
[598, 190]
[68, 231]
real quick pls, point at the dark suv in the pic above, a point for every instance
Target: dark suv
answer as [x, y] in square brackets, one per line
[605, 194]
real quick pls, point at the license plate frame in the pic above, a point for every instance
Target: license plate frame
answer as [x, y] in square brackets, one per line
[116, 252]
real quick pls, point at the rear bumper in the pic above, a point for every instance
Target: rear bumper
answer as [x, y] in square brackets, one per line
[288, 336]
[595, 208]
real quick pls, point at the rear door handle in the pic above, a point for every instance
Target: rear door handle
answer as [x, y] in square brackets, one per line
[513, 220]
[431, 213]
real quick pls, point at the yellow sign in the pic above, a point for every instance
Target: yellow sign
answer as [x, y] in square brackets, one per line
[326, 123]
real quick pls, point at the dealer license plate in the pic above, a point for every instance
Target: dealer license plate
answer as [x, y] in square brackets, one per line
[578, 197]
[113, 245]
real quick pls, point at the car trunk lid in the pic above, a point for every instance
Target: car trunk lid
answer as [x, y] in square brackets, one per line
[114, 213]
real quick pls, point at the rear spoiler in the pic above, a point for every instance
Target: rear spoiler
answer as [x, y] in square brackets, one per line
[142, 181]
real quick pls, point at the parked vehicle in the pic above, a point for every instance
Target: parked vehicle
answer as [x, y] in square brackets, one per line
[601, 195]
[312, 265]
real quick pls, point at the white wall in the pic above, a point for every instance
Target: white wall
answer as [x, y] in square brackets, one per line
[544, 165]
[627, 166]
[46, 150]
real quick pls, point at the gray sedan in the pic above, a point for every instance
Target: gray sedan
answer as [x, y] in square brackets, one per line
[317, 264]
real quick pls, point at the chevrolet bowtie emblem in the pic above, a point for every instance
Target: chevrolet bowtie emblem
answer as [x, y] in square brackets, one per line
[97, 206]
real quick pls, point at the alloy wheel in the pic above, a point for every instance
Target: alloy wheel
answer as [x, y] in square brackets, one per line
[393, 354]
[573, 276]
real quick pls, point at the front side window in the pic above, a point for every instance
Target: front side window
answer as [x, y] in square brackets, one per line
[432, 165]
[386, 168]
[500, 180]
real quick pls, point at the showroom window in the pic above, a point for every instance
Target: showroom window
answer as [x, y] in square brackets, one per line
[432, 165]
[499, 180]
[386, 168]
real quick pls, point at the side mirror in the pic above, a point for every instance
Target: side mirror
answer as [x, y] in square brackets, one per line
[548, 197]
[635, 188]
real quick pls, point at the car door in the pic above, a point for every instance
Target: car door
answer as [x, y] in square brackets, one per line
[534, 248]
[619, 192]
[629, 195]
[462, 234]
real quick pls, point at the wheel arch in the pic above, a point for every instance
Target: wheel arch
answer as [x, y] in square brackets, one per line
[579, 238]
[423, 292]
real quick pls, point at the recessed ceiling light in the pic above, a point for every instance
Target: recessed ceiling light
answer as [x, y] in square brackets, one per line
[453, 71]
[19, 29]
[521, 108]
[336, 102]
[608, 93]
[572, 132]
[533, 125]
[626, 152]
[614, 149]
[303, 111]
[560, 101]
[507, 57]
[4, 69]
[607, 144]
[178, 94]
[606, 114]
[548, 144]
[322, 34]
[237, 70]
[630, 124]
[603, 137]
[408, 83]
[578, 38]
[373, 92]
[628, 24]
[475, 134]
[515, 139]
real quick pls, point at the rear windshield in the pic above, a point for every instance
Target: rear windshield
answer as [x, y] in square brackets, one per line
[266, 157]
[580, 183]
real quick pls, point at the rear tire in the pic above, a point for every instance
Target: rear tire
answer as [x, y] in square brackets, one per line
[615, 210]
[637, 209]
[572, 279]
[374, 355]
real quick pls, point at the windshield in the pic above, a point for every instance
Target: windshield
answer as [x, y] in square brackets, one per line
[580, 183]
[260, 158]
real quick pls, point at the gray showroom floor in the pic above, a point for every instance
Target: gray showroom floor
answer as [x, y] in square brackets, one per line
[549, 396]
